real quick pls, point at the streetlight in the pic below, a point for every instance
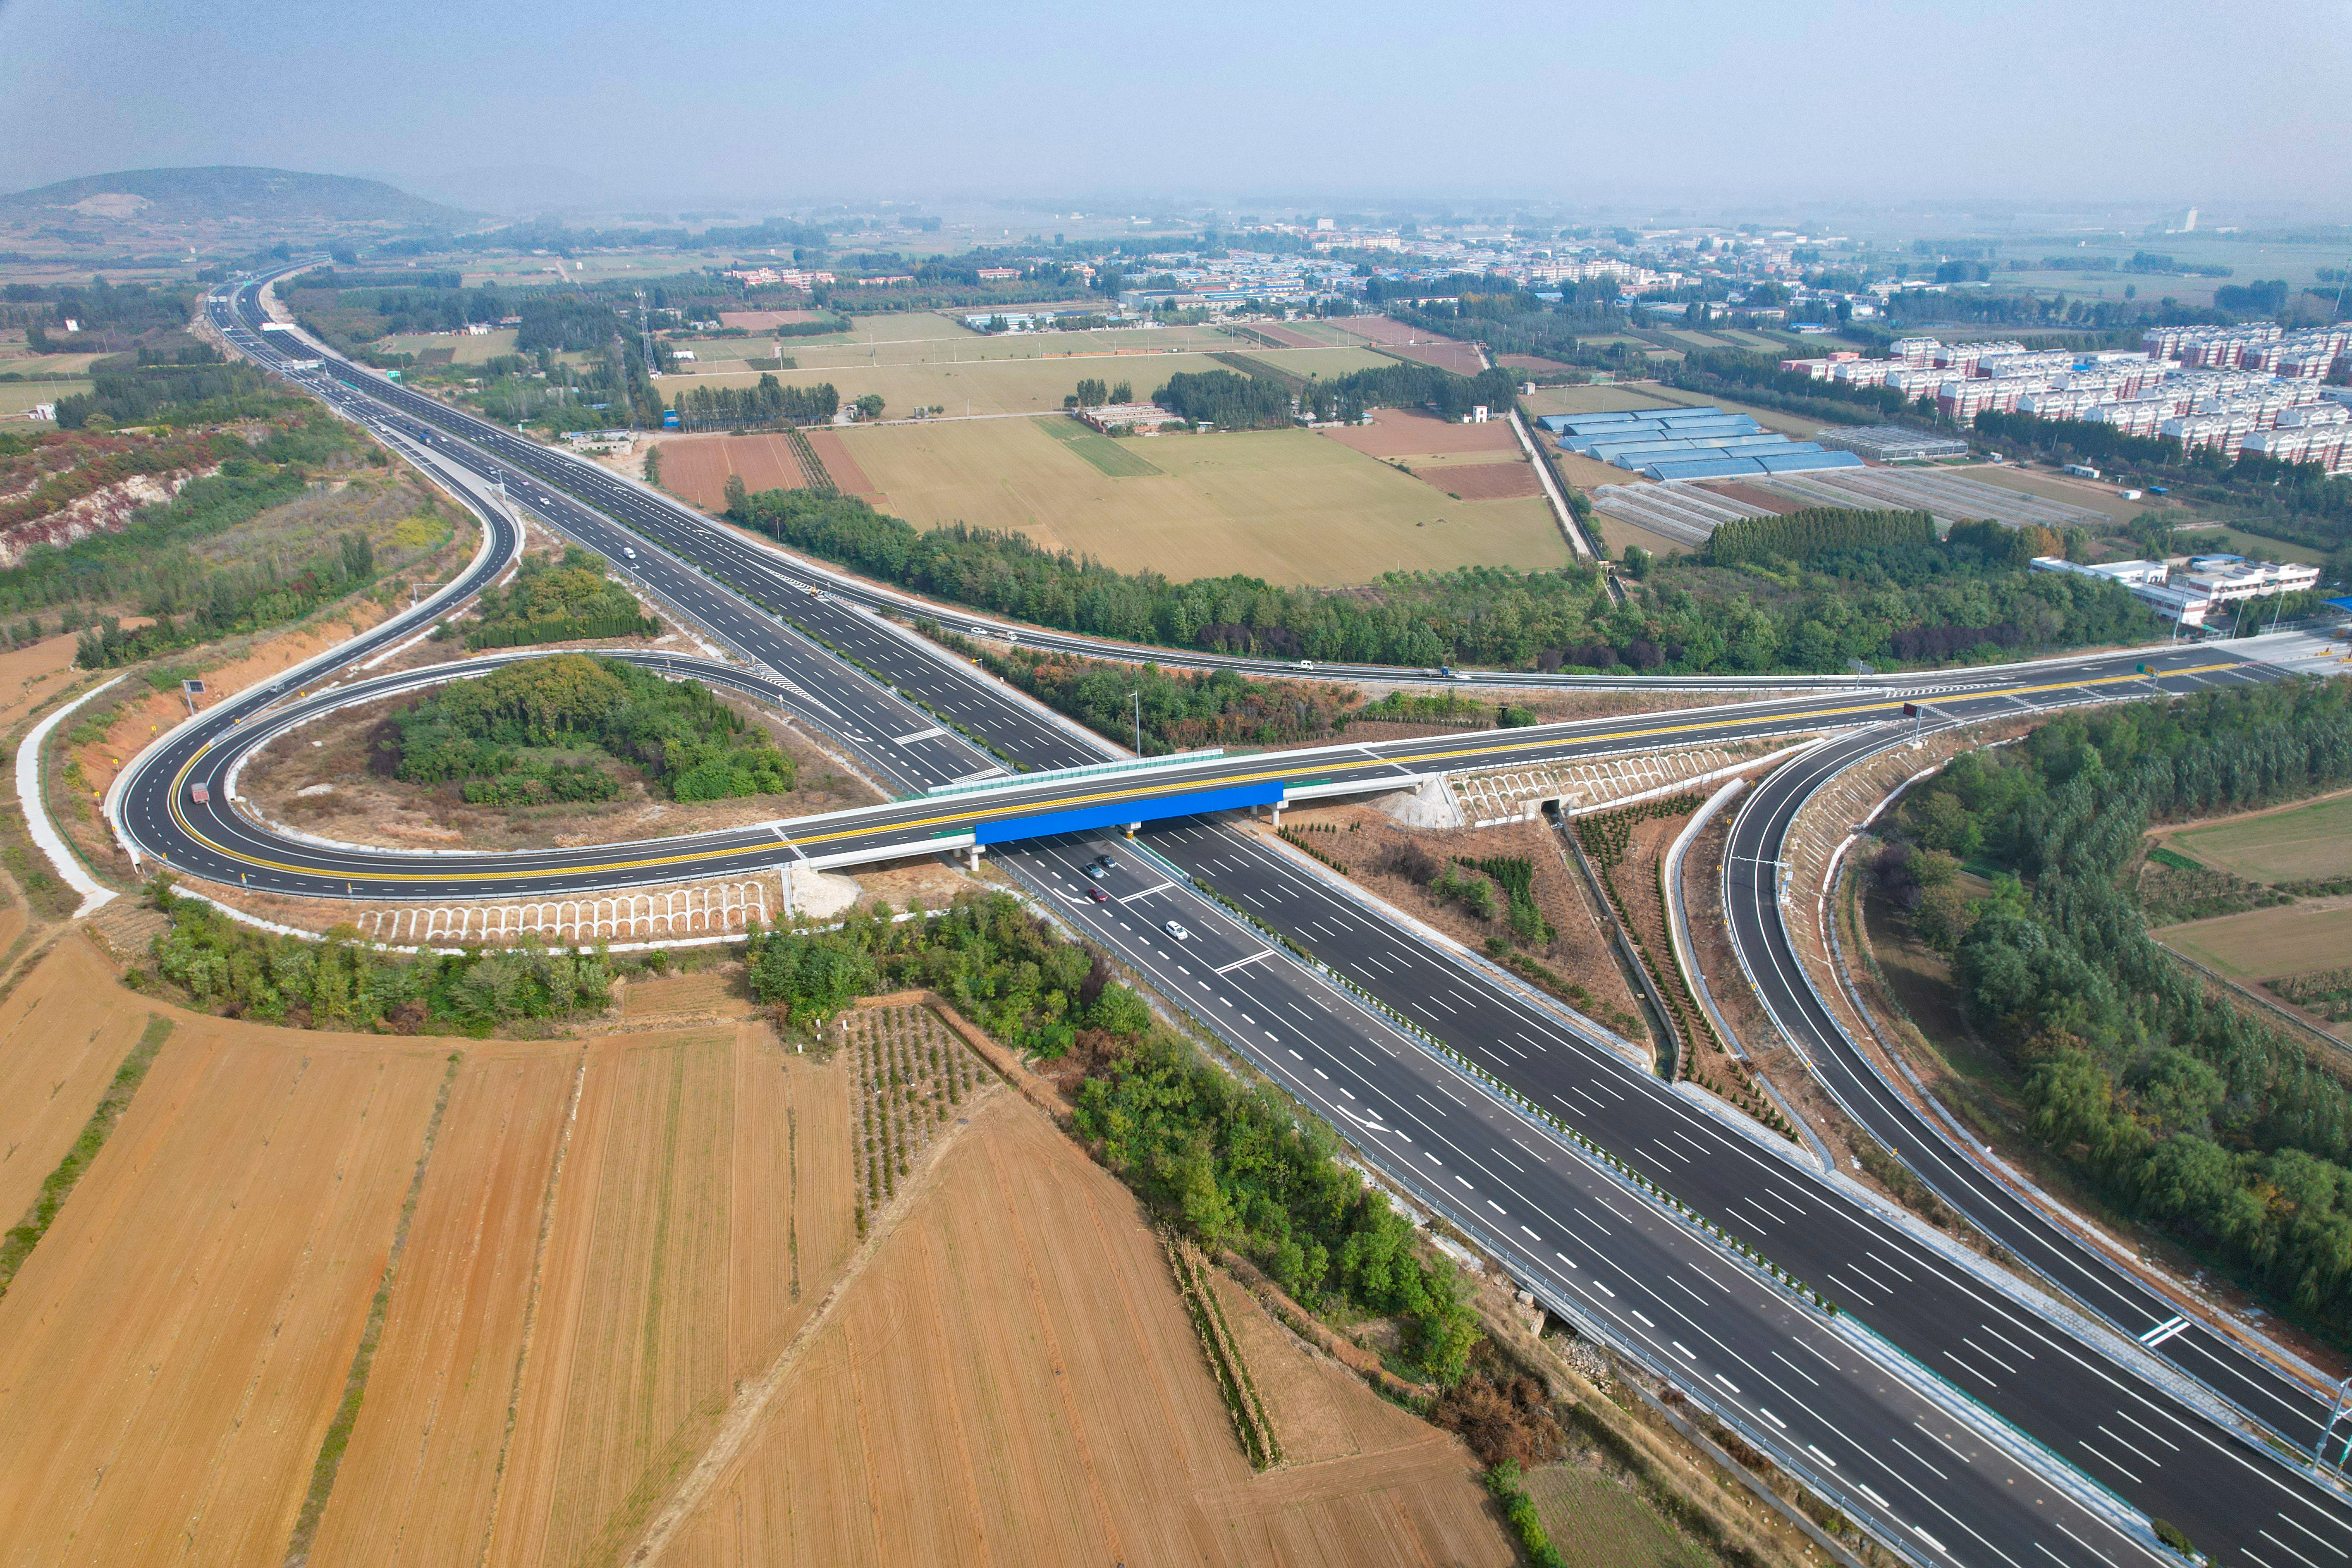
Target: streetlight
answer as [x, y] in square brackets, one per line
[1136, 698]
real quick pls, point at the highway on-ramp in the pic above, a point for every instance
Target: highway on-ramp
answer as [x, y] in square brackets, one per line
[2225, 1492]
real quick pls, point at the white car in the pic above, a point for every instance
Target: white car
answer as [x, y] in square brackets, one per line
[1176, 929]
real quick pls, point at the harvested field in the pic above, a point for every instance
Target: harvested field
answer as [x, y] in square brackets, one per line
[1285, 505]
[1530, 361]
[702, 1212]
[696, 467]
[607, 1276]
[1749, 495]
[964, 382]
[31, 675]
[1012, 1379]
[1603, 398]
[63, 1031]
[2302, 842]
[2264, 945]
[419, 1480]
[173, 1352]
[1408, 432]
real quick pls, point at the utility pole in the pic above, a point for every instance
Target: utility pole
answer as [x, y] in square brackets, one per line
[1137, 698]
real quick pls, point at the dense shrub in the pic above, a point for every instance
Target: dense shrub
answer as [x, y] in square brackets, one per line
[690, 743]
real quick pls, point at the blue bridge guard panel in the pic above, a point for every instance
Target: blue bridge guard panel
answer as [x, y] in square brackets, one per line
[1120, 812]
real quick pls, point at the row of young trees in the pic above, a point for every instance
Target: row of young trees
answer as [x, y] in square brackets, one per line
[2175, 1105]
[1230, 1163]
[767, 404]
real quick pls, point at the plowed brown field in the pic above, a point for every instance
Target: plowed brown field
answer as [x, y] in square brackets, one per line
[1485, 482]
[1410, 342]
[1012, 1380]
[172, 1350]
[847, 477]
[1404, 433]
[696, 467]
[62, 1034]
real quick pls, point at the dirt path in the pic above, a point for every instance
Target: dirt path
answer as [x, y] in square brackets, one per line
[743, 1421]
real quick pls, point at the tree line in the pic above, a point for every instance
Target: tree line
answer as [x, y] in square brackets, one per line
[1817, 614]
[766, 405]
[2173, 1104]
[222, 964]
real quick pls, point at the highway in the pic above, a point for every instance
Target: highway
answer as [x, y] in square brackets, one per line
[2094, 1280]
[1889, 1280]
[771, 575]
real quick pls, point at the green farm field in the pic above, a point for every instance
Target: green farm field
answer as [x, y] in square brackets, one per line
[16, 396]
[2302, 842]
[1285, 505]
[48, 365]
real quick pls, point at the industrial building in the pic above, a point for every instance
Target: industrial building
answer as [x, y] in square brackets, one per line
[2191, 594]
[1700, 443]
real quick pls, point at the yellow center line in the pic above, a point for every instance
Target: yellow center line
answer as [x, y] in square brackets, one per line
[1106, 796]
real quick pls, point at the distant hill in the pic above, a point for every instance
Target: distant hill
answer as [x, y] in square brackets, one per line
[167, 195]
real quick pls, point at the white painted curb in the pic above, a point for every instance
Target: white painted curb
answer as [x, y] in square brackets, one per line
[95, 895]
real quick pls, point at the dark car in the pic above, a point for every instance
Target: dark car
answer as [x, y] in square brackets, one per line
[1105, 861]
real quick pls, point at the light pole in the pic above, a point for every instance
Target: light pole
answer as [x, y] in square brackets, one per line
[1136, 698]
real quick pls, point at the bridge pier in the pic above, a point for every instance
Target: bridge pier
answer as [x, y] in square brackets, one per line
[974, 852]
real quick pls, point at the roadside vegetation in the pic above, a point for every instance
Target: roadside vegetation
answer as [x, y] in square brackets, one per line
[2175, 1105]
[342, 983]
[1180, 710]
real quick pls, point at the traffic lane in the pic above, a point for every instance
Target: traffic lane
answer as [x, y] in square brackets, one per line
[2264, 1392]
[1936, 1311]
[1650, 1280]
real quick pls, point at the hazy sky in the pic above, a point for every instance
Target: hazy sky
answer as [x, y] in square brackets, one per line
[2052, 102]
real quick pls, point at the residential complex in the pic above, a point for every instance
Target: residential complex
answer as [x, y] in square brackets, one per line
[2253, 388]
